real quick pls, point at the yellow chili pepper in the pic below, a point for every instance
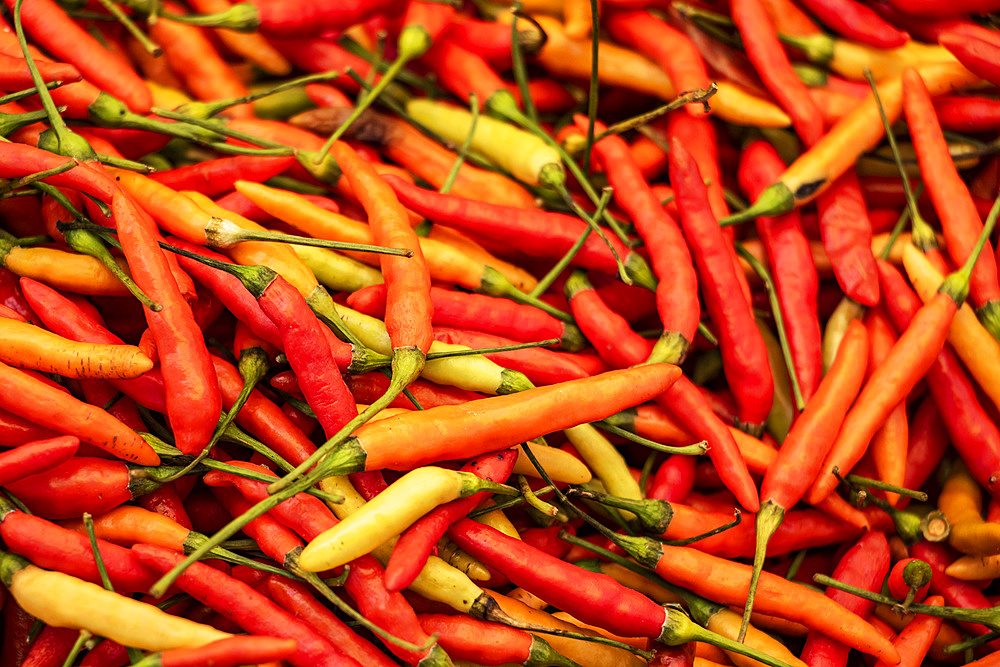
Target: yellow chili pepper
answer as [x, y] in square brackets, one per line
[28, 346]
[961, 500]
[390, 513]
[559, 465]
[63, 601]
[604, 459]
[336, 271]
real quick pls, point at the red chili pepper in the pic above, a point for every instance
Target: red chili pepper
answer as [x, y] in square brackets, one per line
[166, 501]
[414, 546]
[539, 233]
[229, 652]
[321, 55]
[17, 625]
[478, 312]
[928, 443]
[17, 160]
[51, 647]
[967, 114]
[274, 539]
[772, 65]
[847, 238]
[541, 366]
[107, 654]
[466, 638]
[674, 479]
[865, 565]
[297, 599]
[367, 387]
[462, 71]
[897, 580]
[35, 457]
[676, 294]
[857, 22]
[283, 18]
[970, 428]
[216, 177]
[244, 605]
[47, 23]
[16, 430]
[744, 355]
[53, 547]
[669, 47]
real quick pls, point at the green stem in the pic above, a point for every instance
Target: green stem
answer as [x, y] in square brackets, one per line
[414, 41]
[81, 639]
[205, 110]
[495, 283]
[655, 515]
[464, 148]
[768, 521]
[697, 449]
[956, 285]
[492, 350]
[857, 480]
[520, 69]
[28, 92]
[102, 570]
[23, 181]
[148, 44]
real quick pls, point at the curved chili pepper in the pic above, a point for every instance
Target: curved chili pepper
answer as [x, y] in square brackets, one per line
[216, 177]
[410, 553]
[35, 457]
[744, 353]
[961, 500]
[240, 602]
[297, 599]
[31, 398]
[865, 565]
[666, 45]
[727, 582]
[461, 71]
[479, 312]
[677, 289]
[227, 652]
[301, 18]
[541, 233]
[847, 237]
[956, 593]
[60, 599]
[857, 22]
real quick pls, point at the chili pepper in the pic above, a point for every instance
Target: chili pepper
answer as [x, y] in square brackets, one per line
[84, 484]
[669, 47]
[424, 489]
[54, 30]
[167, 502]
[296, 19]
[967, 113]
[961, 500]
[816, 169]
[30, 398]
[408, 282]
[676, 292]
[865, 565]
[35, 457]
[492, 39]
[500, 421]
[214, 178]
[416, 542]
[461, 71]
[29, 346]
[541, 233]
[847, 238]
[489, 643]
[744, 354]
[297, 599]
[65, 601]
[367, 387]
[227, 652]
[479, 312]
[953, 392]
[240, 602]
[673, 480]
[51, 647]
[857, 22]
[770, 62]
[107, 654]
[959, 217]
[915, 640]
[617, 66]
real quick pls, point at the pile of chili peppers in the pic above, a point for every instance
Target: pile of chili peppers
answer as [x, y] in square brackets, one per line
[575, 332]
